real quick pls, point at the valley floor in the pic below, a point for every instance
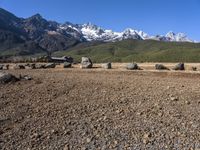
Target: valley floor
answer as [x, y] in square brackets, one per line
[101, 109]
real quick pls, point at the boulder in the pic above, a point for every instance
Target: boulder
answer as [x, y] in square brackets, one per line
[106, 65]
[50, 65]
[19, 66]
[132, 66]
[1, 66]
[67, 65]
[179, 66]
[39, 66]
[86, 62]
[32, 66]
[6, 67]
[161, 67]
[27, 65]
[7, 77]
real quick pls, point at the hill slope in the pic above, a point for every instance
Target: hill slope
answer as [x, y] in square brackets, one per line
[136, 50]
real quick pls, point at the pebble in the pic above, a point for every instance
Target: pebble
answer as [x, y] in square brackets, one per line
[187, 102]
[88, 140]
[174, 98]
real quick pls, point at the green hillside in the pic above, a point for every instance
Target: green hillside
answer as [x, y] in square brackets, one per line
[136, 50]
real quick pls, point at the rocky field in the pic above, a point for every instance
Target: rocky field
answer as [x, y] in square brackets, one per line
[85, 109]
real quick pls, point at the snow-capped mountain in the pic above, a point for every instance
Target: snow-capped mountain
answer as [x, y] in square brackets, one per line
[180, 37]
[38, 33]
[91, 32]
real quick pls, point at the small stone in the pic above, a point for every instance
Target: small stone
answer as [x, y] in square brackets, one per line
[26, 77]
[146, 135]
[174, 98]
[66, 147]
[63, 128]
[88, 140]
[194, 68]
[48, 137]
[118, 111]
[115, 142]
[187, 102]
[146, 138]
[53, 131]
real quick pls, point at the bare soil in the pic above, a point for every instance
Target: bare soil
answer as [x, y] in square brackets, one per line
[101, 109]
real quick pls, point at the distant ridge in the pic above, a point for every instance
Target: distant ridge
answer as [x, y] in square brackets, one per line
[38, 36]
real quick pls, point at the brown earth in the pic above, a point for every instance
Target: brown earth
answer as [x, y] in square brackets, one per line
[101, 109]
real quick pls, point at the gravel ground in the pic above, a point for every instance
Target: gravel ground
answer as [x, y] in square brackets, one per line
[76, 109]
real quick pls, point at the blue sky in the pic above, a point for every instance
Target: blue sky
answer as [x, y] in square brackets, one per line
[151, 16]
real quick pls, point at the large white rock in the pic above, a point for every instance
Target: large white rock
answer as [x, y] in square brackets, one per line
[86, 62]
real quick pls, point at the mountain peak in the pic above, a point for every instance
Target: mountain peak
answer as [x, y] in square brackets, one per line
[179, 37]
[37, 16]
[87, 31]
[170, 33]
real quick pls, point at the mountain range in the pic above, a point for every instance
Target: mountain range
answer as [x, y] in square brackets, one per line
[36, 35]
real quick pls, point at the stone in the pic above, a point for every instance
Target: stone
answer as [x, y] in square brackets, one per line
[67, 65]
[194, 68]
[132, 66]
[1, 66]
[32, 66]
[86, 62]
[7, 77]
[179, 66]
[26, 77]
[50, 65]
[173, 98]
[187, 102]
[27, 65]
[107, 65]
[6, 67]
[161, 67]
[88, 140]
[19, 66]
[39, 66]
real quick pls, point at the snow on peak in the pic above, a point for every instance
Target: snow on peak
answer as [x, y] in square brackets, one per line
[91, 32]
[179, 37]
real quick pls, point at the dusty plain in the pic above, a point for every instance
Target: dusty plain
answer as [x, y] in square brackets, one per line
[75, 108]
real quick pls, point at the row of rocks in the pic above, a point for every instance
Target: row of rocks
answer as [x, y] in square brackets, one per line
[34, 66]
[179, 66]
[87, 63]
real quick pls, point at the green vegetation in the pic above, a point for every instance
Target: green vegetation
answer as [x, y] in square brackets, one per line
[123, 51]
[136, 50]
